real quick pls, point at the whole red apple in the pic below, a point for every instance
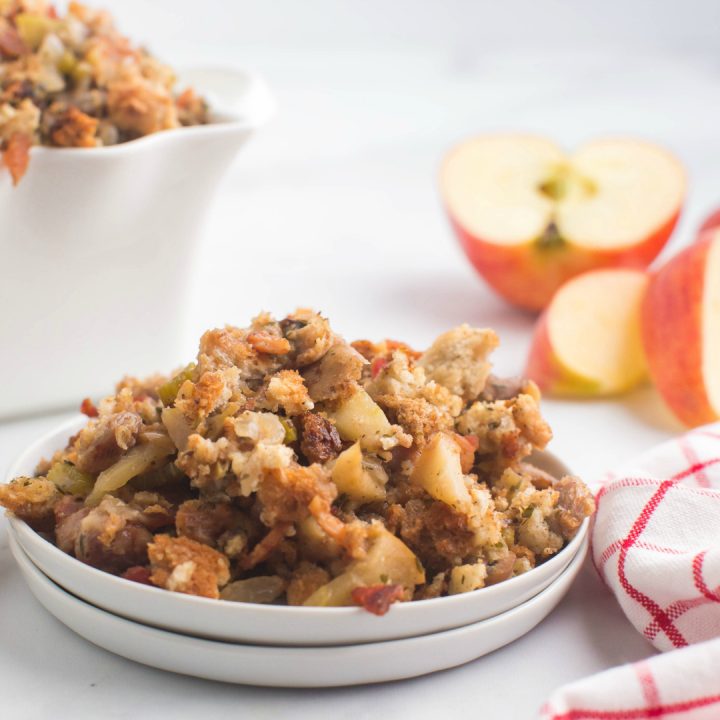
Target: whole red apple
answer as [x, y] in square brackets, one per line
[711, 222]
[681, 330]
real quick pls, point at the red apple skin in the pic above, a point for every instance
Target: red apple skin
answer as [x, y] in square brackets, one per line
[541, 365]
[528, 275]
[672, 333]
[711, 222]
[547, 371]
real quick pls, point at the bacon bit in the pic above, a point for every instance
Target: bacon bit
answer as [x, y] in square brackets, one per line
[269, 344]
[377, 599]
[11, 44]
[403, 347]
[468, 444]
[377, 366]
[263, 549]
[138, 574]
[87, 407]
[17, 155]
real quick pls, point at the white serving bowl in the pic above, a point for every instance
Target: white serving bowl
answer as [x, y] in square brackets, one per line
[294, 666]
[97, 246]
[274, 624]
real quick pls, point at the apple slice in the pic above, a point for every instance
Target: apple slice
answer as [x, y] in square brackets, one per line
[530, 217]
[681, 331]
[588, 341]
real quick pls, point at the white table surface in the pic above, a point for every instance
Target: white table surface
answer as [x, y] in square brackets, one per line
[335, 206]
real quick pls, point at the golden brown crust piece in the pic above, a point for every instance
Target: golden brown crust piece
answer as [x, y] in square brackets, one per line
[73, 128]
[458, 360]
[269, 343]
[306, 579]
[507, 430]
[416, 416]
[576, 502]
[30, 499]
[225, 347]
[186, 566]
[286, 390]
[436, 532]
[286, 494]
[211, 390]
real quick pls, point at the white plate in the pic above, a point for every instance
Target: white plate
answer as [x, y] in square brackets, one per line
[274, 624]
[293, 666]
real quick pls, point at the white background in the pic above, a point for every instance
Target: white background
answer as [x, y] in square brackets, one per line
[334, 205]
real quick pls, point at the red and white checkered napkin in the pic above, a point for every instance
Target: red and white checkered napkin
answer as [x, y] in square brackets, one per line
[656, 544]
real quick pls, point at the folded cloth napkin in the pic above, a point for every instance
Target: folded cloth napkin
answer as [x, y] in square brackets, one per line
[656, 544]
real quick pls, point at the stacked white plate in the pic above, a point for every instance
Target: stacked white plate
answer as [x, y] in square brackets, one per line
[278, 645]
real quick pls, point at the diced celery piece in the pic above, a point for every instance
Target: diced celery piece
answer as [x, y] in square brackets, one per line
[33, 28]
[168, 392]
[68, 63]
[82, 71]
[68, 479]
[290, 431]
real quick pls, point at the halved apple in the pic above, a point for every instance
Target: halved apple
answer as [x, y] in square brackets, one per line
[588, 341]
[530, 217]
[681, 331]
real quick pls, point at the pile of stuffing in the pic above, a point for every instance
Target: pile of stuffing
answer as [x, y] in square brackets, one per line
[74, 81]
[287, 465]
